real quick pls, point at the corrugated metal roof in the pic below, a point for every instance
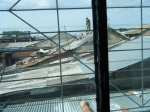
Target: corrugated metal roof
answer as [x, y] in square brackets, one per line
[122, 58]
[131, 102]
[72, 104]
[133, 31]
[23, 53]
[143, 26]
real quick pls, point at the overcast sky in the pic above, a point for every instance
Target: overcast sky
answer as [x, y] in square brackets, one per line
[71, 19]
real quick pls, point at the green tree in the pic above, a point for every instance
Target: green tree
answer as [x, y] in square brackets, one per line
[10, 33]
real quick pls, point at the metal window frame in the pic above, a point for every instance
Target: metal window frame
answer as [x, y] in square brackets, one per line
[101, 55]
[12, 10]
[100, 49]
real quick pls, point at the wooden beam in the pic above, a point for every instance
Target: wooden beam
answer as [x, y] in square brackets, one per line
[84, 106]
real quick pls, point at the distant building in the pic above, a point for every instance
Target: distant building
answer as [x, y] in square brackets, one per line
[54, 41]
[136, 32]
[115, 37]
[25, 37]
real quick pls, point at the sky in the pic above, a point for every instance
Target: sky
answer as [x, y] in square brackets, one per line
[71, 19]
[127, 17]
[45, 20]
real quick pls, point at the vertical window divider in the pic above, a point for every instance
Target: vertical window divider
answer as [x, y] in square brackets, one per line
[61, 80]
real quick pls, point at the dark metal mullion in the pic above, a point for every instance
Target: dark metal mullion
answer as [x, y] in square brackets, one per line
[103, 55]
[97, 81]
[57, 32]
[73, 8]
[142, 57]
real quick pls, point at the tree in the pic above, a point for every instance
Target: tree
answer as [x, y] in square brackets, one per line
[10, 33]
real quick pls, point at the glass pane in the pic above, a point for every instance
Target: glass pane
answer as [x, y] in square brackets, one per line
[128, 62]
[47, 61]
[73, 22]
[44, 21]
[123, 17]
[121, 59]
[122, 3]
[74, 3]
[123, 40]
[146, 2]
[146, 59]
[6, 4]
[145, 18]
[36, 4]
